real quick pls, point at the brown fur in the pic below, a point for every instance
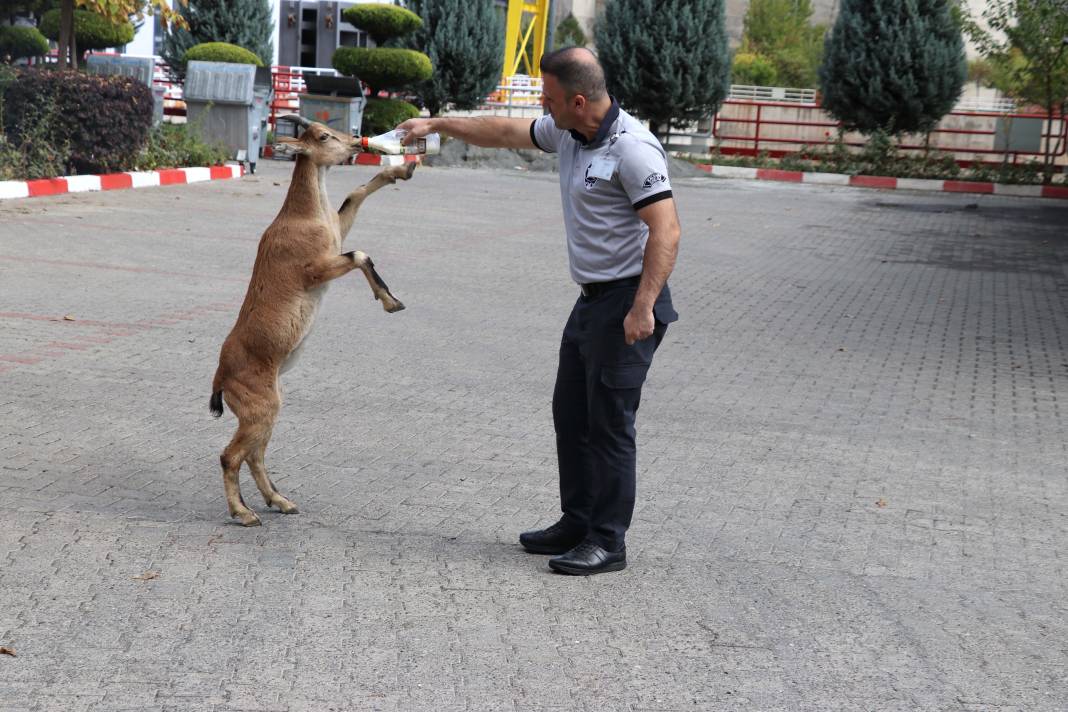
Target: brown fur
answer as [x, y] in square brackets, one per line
[299, 254]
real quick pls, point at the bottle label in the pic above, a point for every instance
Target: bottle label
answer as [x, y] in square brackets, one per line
[418, 146]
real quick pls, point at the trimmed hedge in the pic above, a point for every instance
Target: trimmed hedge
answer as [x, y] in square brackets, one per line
[383, 21]
[382, 115]
[221, 52]
[105, 120]
[383, 68]
[20, 42]
[91, 31]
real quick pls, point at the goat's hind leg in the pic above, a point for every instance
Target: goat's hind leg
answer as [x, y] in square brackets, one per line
[270, 493]
[232, 457]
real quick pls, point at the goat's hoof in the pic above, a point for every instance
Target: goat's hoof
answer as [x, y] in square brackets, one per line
[396, 306]
[247, 519]
[285, 506]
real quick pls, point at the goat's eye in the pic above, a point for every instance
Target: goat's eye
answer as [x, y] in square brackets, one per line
[324, 137]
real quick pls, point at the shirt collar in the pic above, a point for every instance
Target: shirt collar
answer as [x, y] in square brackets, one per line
[602, 130]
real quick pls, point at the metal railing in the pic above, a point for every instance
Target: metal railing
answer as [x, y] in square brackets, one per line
[745, 92]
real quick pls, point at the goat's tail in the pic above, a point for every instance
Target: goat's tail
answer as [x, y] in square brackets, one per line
[216, 403]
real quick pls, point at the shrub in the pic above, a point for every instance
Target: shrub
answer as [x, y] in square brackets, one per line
[383, 68]
[754, 70]
[381, 115]
[220, 52]
[19, 42]
[105, 119]
[173, 145]
[36, 152]
[91, 31]
[245, 23]
[383, 21]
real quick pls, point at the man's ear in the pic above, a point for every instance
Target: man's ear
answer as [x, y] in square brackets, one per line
[288, 146]
[579, 102]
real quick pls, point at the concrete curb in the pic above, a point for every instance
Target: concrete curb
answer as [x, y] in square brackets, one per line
[887, 183]
[365, 159]
[116, 181]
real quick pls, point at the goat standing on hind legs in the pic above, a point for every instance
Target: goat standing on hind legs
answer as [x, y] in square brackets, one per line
[298, 256]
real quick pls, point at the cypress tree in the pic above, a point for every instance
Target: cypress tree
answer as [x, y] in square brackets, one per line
[245, 23]
[893, 65]
[666, 61]
[465, 42]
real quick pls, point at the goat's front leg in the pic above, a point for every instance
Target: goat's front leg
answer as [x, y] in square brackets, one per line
[352, 203]
[378, 286]
[323, 270]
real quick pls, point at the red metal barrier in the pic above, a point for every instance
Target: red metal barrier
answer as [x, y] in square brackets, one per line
[756, 137]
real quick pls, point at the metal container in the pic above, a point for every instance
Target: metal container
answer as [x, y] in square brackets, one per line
[337, 102]
[225, 104]
[140, 68]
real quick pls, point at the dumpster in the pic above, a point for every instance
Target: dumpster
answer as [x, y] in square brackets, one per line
[223, 105]
[140, 68]
[337, 102]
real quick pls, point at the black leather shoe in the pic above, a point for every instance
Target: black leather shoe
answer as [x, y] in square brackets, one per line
[587, 558]
[557, 539]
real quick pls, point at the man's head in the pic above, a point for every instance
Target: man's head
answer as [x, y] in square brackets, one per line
[573, 86]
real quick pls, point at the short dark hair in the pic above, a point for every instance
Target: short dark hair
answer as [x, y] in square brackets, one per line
[577, 70]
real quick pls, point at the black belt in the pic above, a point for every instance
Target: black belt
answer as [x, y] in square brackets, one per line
[595, 289]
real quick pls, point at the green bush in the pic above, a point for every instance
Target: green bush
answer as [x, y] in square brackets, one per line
[383, 21]
[38, 151]
[105, 120]
[753, 69]
[383, 68]
[91, 31]
[20, 42]
[381, 115]
[221, 52]
[174, 145]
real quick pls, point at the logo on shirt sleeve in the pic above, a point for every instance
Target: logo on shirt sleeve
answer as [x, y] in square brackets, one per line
[653, 179]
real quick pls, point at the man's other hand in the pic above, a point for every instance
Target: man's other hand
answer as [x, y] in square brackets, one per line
[638, 324]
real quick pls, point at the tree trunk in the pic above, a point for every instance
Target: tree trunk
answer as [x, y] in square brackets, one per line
[66, 32]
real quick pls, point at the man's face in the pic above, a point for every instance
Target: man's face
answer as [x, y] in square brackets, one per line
[557, 103]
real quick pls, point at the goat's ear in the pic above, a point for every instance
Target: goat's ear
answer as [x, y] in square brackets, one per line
[288, 146]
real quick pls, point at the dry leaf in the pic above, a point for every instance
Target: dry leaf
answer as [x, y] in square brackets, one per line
[880, 503]
[147, 576]
[68, 317]
[7, 651]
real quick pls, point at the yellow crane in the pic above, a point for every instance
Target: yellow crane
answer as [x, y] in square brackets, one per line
[526, 19]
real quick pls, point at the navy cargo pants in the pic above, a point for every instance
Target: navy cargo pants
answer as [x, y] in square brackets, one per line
[598, 389]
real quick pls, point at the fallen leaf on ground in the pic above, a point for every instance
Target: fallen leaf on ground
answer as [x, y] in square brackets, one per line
[880, 503]
[68, 317]
[147, 576]
[7, 651]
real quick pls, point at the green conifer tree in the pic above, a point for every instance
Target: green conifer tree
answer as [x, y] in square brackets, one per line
[245, 23]
[465, 42]
[666, 61]
[893, 65]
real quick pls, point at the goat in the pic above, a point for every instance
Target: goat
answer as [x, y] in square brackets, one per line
[299, 254]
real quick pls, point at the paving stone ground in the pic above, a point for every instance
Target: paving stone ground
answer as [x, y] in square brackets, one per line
[852, 481]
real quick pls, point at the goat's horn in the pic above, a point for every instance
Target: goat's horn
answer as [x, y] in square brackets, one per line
[299, 120]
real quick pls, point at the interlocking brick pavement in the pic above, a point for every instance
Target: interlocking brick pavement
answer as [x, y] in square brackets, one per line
[852, 489]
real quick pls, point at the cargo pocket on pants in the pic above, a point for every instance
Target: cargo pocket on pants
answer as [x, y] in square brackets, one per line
[624, 376]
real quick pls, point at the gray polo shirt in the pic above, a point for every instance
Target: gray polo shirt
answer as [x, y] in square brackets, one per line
[605, 236]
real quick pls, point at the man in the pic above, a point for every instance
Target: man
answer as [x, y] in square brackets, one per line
[622, 239]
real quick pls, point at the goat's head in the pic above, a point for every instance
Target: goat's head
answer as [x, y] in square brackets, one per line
[321, 144]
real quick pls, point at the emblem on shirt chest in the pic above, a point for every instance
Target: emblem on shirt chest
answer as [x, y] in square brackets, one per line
[590, 180]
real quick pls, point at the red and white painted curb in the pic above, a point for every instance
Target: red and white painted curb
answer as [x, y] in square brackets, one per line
[374, 159]
[887, 183]
[116, 181]
[365, 159]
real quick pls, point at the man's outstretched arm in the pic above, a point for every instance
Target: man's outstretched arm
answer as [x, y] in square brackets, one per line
[485, 131]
